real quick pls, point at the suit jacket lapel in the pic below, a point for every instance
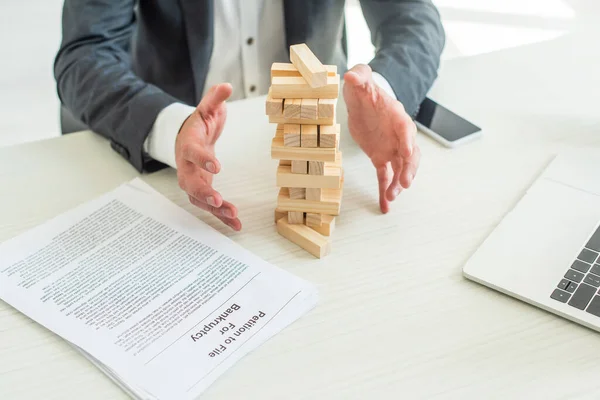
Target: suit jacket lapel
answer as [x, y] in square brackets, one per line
[198, 17]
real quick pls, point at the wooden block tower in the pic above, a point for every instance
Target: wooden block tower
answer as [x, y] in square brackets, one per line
[302, 102]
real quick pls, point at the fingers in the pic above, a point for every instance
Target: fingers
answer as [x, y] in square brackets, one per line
[204, 193]
[406, 131]
[410, 167]
[394, 189]
[384, 177]
[200, 156]
[234, 224]
[225, 210]
[214, 99]
[404, 174]
[227, 213]
[396, 176]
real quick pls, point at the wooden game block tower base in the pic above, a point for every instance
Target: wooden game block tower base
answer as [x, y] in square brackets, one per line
[302, 102]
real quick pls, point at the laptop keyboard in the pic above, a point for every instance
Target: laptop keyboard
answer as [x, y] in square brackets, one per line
[580, 286]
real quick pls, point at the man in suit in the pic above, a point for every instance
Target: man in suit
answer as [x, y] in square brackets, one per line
[133, 70]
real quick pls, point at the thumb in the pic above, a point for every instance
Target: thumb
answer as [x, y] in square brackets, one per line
[359, 75]
[214, 99]
[358, 86]
[212, 110]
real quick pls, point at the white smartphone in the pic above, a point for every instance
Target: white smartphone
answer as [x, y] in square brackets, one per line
[445, 126]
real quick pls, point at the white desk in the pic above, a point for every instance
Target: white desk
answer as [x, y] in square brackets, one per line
[396, 319]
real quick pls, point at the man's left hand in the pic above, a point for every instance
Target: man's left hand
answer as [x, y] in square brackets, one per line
[385, 132]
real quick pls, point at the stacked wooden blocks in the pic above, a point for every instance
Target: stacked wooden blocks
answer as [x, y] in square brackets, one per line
[302, 102]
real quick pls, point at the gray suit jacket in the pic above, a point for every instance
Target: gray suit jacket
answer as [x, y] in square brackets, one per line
[121, 62]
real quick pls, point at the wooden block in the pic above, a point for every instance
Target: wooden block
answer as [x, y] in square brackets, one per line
[295, 217]
[280, 152]
[336, 163]
[291, 135]
[305, 237]
[291, 108]
[280, 214]
[299, 167]
[297, 193]
[330, 202]
[280, 119]
[308, 109]
[288, 69]
[316, 167]
[273, 106]
[308, 65]
[293, 87]
[326, 108]
[292, 128]
[329, 135]
[310, 136]
[314, 194]
[327, 226]
[331, 178]
[313, 219]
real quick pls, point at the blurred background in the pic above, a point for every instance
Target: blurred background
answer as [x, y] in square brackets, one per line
[27, 90]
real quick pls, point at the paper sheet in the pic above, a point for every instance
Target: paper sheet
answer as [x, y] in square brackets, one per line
[158, 300]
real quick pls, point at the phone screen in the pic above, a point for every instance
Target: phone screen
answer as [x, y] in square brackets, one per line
[444, 122]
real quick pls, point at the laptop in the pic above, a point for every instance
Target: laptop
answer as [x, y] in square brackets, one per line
[546, 251]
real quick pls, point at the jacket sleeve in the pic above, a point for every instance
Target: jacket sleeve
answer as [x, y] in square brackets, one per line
[94, 76]
[409, 38]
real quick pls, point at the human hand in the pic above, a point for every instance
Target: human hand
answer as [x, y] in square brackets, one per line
[195, 155]
[385, 132]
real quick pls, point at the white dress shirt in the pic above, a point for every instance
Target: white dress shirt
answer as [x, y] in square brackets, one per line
[252, 34]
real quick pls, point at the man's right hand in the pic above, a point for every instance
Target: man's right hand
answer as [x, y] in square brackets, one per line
[195, 155]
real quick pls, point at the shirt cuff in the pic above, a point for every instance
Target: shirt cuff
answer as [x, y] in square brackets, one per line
[160, 143]
[384, 84]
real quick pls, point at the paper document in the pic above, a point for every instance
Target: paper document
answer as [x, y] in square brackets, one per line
[155, 298]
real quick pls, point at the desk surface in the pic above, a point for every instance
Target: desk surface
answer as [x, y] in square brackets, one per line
[396, 317]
